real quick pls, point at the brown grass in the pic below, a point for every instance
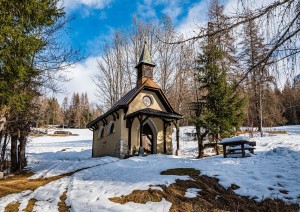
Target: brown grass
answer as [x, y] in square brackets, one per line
[30, 205]
[20, 182]
[181, 172]
[213, 196]
[12, 207]
[62, 206]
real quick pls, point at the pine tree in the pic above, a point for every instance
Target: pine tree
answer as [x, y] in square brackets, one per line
[21, 39]
[219, 107]
[223, 111]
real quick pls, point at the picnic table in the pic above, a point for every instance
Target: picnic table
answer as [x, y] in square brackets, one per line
[237, 145]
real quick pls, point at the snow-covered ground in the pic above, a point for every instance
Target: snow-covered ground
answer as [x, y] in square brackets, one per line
[274, 171]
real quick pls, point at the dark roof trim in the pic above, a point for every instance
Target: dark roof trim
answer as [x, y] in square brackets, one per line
[128, 98]
[155, 113]
[122, 103]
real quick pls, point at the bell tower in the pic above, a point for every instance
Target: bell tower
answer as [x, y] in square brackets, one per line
[145, 66]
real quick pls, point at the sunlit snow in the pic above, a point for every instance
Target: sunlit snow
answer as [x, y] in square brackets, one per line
[272, 169]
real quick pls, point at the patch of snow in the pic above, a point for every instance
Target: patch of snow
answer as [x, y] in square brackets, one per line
[192, 192]
[234, 139]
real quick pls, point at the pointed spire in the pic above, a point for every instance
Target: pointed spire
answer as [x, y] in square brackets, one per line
[145, 56]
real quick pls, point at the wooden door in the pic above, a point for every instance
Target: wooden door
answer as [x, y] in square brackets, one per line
[147, 139]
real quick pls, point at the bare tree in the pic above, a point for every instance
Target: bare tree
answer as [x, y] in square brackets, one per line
[280, 19]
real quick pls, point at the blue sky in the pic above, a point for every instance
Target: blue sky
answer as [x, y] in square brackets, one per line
[96, 20]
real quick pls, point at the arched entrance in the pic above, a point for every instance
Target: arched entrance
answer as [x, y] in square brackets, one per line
[148, 139]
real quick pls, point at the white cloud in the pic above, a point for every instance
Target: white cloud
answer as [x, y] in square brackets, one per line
[146, 10]
[197, 16]
[81, 79]
[172, 9]
[95, 4]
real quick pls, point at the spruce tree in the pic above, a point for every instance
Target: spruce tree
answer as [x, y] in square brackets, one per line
[219, 107]
[223, 111]
[23, 32]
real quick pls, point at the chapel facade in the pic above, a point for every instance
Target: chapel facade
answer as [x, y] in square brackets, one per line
[140, 122]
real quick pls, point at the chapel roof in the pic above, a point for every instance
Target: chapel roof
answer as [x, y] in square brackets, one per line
[124, 102]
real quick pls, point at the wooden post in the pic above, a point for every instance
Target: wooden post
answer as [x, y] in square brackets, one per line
[164, 136]
[224, 151]
[178, 153]
[129, 135]
[141, 149]
[243, 150]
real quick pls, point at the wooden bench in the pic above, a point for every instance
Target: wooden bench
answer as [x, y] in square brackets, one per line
[236, 146]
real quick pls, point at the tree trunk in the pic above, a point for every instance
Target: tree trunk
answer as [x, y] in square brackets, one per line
[13, 152]
[216, 146]
[21, 149]
[200, 138]
[1, 137]
[5, 141]
[260, 112]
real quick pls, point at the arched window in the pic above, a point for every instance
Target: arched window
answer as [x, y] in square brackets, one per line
[101, 132]
[111, 128]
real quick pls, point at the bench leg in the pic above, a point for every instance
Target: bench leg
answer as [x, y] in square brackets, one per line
[224, 151]
[243, 150]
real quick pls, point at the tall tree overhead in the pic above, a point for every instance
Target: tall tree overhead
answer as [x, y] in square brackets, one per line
[218, 20]
[30, 58]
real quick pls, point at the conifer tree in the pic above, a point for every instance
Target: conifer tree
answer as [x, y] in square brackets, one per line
[223, 111]
[25, 33]
[221, 107]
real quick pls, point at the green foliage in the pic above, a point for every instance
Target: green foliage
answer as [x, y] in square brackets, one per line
[22, 23]
[223, 110]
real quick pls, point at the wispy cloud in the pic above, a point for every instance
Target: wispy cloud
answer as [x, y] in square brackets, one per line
[196, 16]
[71, 5]
[172, 8]
[146, 10]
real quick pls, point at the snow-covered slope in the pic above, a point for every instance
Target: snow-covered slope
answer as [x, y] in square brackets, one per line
[274, 171]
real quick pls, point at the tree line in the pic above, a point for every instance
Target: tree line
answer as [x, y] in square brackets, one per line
[74, 113]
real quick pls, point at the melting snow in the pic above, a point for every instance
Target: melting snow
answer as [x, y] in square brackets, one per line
[192, 192]
[273, 171]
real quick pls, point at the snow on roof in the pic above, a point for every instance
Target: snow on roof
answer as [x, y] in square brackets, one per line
[233, 139]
